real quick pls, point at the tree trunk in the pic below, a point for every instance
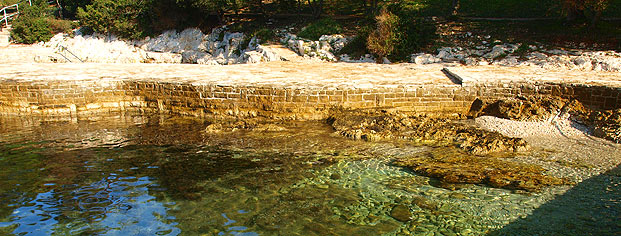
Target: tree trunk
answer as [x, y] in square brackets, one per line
[60, 9]
[316, 7]
[595, 19]
[455, 7]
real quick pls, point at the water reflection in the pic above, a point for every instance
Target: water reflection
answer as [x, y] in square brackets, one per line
[160, 175]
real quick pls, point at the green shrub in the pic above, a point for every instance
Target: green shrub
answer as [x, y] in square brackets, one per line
[383, 39]
[265, 35]
[32, 25]
[321, 27]
[403, 34]
[4, 3]
[357, 47]
[414, 33]
[61, 26]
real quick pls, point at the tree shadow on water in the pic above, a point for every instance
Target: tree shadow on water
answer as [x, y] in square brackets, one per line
[592, 207]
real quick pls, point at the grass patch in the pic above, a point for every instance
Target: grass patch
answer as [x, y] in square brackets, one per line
[321, 27]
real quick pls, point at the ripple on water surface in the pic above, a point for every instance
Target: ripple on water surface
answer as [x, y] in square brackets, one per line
[142, 175]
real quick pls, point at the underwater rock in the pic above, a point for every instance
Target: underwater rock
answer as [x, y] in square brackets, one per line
[401, 213]
[451, 165]
[335, 176]
[425, 203]
[269, 127]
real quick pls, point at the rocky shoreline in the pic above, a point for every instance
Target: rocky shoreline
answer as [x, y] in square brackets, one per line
[223, 47]
[486, 150]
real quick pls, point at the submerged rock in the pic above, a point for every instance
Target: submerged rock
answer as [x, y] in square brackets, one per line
[450, 165]
[401, 213]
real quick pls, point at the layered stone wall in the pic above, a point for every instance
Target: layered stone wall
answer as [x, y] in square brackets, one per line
[75, 97]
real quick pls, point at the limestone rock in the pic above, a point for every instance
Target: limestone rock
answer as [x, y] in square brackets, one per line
[322, 49]
[192, 57]
[424, 58]
[162, 57]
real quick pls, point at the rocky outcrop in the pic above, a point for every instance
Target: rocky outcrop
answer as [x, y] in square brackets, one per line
[220, 47]
[99, 48]
[519, 108]
[377, 125]
[518, 55]
[323, 49]
[463, 154]
[603, 123]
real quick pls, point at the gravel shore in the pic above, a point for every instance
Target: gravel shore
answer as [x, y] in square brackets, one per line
[571, 150]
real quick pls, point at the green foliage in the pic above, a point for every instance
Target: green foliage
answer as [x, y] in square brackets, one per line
[4, 3]
[509, 8]
[70, 7]
[321, 27]
[265, 35]
[412, 32]
[119, 17]
[62, 26]
[357, 47]
[32, 25]
[384, 38]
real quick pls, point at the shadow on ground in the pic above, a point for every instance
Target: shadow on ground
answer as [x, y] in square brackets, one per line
[592, 207]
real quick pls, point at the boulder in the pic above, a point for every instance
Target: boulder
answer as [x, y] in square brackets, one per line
[424, 58]
[192, 57]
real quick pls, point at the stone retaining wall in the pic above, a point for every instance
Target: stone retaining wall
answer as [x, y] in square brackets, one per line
[58, 97]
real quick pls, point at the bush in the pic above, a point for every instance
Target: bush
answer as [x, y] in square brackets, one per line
[321, 27]
[402, 33]
[32, 25]
[265, 35]
[61, 26]
[383, 39]
[357, 47]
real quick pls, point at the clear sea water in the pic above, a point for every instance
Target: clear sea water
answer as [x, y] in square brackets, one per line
[164, 175]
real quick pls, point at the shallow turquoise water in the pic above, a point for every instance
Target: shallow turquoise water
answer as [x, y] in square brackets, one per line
[158, 175]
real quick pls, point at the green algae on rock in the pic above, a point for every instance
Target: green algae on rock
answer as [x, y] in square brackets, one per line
[451, 165]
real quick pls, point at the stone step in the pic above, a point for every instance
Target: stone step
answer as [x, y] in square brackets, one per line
[4, 37]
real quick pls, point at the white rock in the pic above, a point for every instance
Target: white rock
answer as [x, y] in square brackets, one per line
[192, 57]
[162, 57]
[509, 61]
[252, 57]
[367, 58]
[423, 58]
[497, 51]
[557, 52]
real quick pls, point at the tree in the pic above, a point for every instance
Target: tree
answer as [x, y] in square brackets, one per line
[119, 17]
[70, 7]
[32, 25]
[316, 7]
[584, 9]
